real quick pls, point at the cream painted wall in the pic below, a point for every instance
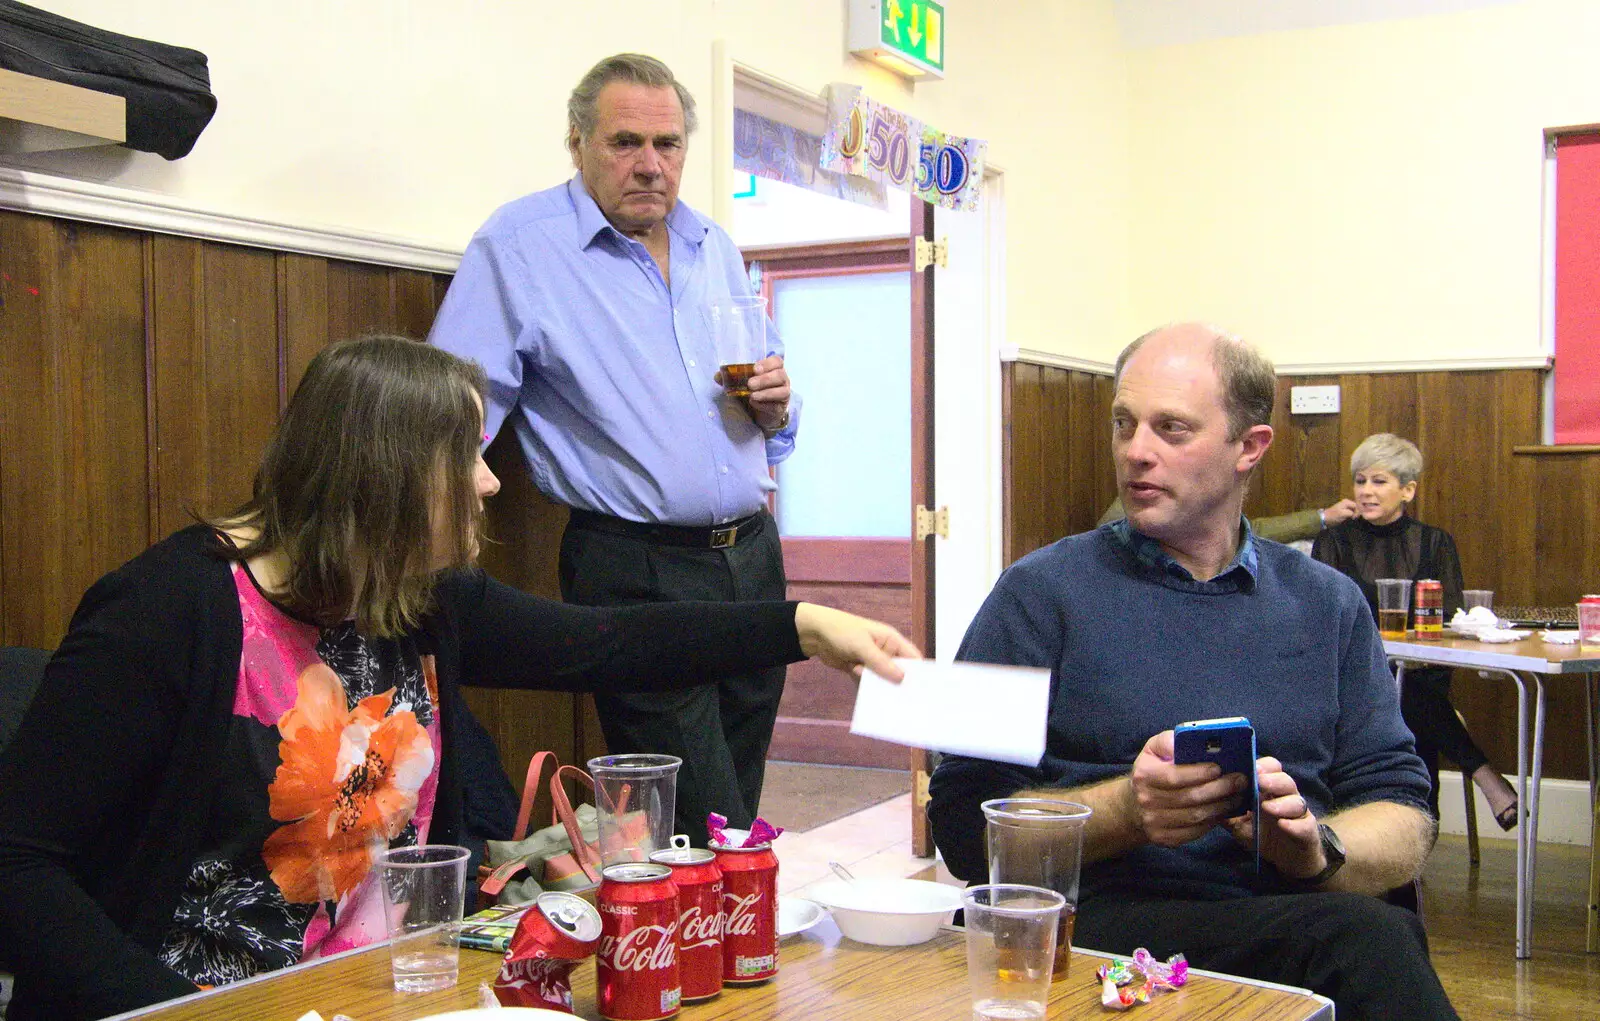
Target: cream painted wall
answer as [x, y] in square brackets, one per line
[1361, 193]
[415, 119]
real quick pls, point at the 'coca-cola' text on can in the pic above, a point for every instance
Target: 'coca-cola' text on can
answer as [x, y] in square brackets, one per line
[557, 932]
[749, 913]
[699, 882]
[636, 971]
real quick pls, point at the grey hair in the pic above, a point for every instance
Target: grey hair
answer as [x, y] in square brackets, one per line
[633, 68]
[1386, 450]
[1249, 382]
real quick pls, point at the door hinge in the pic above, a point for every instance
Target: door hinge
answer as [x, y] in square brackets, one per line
[922, 797]
[930, 253]
[932, 522]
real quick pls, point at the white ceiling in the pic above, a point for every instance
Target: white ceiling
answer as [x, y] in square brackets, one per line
[1165, 22]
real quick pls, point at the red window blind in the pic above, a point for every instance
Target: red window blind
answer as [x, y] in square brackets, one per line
[1577, 369]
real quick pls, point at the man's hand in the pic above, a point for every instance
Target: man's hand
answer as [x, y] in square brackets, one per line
[769, 393]
[1175, 804]
[1289, 836]
[1339, 512]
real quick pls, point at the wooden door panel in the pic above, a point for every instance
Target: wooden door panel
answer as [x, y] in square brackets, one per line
[870, 577]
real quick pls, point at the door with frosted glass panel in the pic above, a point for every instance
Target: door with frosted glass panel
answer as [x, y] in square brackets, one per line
[844, 495]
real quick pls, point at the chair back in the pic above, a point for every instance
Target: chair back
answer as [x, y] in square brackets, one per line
[21, 669]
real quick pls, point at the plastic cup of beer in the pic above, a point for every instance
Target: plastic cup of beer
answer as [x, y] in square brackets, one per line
[1589, 625]
[1039, 842]
[635, 797]
[739, 326]
[1394, 606]
[1011, 946]
[1473, 598]
[423, 890]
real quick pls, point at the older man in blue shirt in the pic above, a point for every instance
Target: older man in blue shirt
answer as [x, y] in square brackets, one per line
[588, 304]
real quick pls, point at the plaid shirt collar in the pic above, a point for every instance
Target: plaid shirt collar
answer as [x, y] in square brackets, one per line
[1241, 572]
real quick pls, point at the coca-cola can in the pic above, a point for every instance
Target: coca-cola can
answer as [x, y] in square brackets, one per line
[557, 932]
[699, 882]
[636, 970]
[749, 913]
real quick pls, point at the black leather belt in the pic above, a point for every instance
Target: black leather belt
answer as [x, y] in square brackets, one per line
[720, 536]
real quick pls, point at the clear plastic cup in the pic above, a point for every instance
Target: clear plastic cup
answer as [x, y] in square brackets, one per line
[1474, 597]
[739, 328]
[635, 796]
[1039, 842]
[1589, 625]
[423, 891]
[1394, 606]
[1011, 945]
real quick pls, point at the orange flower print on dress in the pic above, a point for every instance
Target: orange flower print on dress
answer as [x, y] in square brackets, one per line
[346, 786]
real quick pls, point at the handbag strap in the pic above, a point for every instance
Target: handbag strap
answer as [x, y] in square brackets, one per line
[530, 790]
[587, 857]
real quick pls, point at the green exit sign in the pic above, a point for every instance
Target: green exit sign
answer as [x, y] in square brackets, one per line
[905, 36]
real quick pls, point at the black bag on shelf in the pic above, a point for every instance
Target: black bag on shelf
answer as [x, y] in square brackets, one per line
[167, 88]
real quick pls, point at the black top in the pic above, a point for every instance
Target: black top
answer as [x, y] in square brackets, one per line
[106, 789]
[1404, 548]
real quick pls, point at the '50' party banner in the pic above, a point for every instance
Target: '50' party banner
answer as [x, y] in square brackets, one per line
[868, 139]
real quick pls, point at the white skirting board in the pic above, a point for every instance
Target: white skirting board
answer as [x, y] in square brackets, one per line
[1563, 811]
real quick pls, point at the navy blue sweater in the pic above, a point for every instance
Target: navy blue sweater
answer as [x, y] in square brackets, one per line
[1135, 649]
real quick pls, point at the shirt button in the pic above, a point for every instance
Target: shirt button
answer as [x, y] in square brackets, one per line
[724, 469]
[711, 414]
[691, 363]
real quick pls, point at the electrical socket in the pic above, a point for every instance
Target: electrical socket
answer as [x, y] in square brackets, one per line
[1313, 400]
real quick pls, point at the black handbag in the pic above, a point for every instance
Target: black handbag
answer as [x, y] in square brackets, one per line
[167, 88]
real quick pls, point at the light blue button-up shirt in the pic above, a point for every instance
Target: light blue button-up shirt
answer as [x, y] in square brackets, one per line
[609, 372]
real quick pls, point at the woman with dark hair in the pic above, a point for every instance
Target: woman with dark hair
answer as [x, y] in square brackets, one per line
[243, 716]
[1382, 541]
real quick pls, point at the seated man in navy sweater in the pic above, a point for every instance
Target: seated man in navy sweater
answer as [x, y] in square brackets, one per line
[1180, 613]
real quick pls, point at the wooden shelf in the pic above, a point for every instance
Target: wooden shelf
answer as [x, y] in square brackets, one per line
[1566, 448]
[37, 114]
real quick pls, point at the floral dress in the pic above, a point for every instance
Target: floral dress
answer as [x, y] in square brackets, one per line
[332, 756]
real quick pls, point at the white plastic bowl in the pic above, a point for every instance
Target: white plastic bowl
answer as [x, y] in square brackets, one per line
[888, 912]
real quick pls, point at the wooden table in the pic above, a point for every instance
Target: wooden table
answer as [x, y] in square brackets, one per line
[822, 976]
[1524, 662]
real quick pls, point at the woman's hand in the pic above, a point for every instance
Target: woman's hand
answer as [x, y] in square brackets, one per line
[847, 642]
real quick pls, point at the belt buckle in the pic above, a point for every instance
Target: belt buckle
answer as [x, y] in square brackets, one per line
[724, 538]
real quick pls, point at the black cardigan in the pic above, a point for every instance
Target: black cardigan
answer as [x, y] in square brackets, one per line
[106, 786]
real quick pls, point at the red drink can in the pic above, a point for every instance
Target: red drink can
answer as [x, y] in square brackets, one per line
[699, 882]
[1429, 598]
[636, 972]
[750, 913]
[557, 932]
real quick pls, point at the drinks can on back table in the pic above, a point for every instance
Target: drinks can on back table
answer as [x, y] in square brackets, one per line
[750, 913]
[699, 882]
[1428, 595]
[636, 971]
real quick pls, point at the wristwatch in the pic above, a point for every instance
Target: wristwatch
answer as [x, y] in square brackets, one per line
[783, 423]
[1332, 850]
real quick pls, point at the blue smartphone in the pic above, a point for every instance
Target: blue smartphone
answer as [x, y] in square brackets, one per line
[1230, 742]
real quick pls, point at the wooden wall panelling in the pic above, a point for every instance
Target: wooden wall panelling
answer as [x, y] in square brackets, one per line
[1023, 426]
[303, 320]
[360, 300]
[216, 373]
[414, 301]
[1086, 429]
[1056, 433]
[74, 479]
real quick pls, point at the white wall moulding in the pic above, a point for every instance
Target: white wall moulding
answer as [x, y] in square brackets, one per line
[1013, 353]
[124, 207]
[1420, 365]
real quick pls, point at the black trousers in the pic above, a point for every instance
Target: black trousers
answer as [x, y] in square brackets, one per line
[1426, 707]
[721, 729]
[1370, 958]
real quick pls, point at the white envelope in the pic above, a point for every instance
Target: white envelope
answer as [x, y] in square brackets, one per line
[977, 709]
